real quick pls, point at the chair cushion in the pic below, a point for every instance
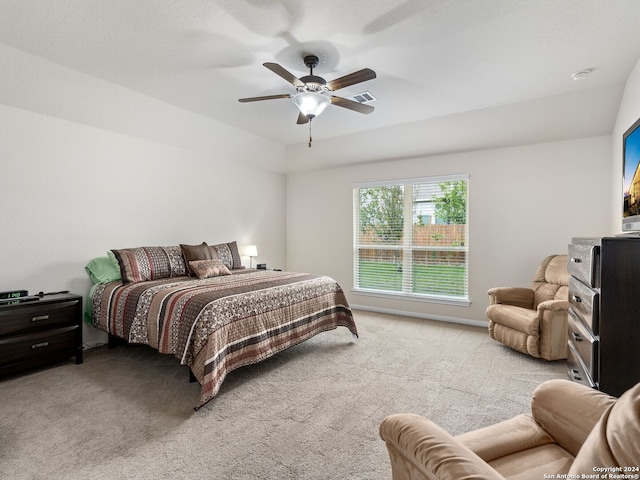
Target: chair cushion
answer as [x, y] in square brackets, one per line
[518, 318]
[549, 291]
[614, 440]
[562, 293]
[553, 269]
[551, 279]
[501, 439]
[538, 462]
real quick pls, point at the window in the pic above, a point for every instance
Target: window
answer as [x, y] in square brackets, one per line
[411, 238]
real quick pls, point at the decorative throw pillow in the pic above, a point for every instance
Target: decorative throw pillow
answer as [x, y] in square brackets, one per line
[209, 268]
[192, 253]
[150, 263]
[228, 253]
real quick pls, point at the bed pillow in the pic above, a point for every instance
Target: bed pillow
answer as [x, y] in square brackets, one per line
[208, 268]
[103, 270]
[192, 253]
[150, 263]
[114, 260]
[228, 254]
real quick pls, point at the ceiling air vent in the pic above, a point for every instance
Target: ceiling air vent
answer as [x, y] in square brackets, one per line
[364, 97]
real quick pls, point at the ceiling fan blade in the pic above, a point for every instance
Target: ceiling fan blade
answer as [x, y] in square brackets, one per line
[302, 119]
[268, 97]
[351, 105]
[351, 79]
[284, 73]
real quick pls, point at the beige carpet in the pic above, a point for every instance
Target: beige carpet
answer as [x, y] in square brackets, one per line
[311, 412]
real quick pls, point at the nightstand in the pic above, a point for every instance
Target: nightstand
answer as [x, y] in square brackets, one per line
[40, 332]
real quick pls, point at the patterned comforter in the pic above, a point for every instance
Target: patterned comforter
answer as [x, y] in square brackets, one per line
[218, 324]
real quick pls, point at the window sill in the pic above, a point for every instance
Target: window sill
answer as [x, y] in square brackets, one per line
[460, 302]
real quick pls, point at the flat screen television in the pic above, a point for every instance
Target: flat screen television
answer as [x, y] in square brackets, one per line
[631, 178]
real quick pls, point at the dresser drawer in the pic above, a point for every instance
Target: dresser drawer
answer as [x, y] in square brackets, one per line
[37, 317]
[577, 371]
[585, 344]
[38, 345]
[585, 302]
[583, 263]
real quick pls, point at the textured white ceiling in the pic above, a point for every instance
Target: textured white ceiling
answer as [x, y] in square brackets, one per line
[433, 59]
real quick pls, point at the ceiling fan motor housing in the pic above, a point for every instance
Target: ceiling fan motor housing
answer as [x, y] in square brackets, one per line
[311, 61]
[312, 82]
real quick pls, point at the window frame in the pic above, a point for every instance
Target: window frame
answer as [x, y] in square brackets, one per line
[407, 245]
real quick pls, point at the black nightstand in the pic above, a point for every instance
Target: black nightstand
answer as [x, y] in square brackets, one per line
[40, 332]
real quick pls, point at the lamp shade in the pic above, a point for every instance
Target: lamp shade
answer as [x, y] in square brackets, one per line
[311, 104]
[251, 251]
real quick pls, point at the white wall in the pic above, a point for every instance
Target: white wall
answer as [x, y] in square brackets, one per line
[628, 113]
[525, 203]
[88, 166]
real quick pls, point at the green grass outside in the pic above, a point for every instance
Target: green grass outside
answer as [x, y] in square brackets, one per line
[427, 279]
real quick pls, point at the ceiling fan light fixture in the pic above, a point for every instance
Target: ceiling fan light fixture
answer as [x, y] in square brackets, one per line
[311, 104]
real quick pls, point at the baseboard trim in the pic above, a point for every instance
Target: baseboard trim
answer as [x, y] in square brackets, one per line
[424, 316]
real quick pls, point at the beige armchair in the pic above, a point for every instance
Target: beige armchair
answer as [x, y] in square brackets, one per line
[534, 320]
[572, 429]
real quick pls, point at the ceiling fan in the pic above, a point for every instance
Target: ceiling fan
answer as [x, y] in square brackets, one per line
[314, 94]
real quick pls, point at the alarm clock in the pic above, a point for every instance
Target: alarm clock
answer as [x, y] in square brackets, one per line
[13, 294]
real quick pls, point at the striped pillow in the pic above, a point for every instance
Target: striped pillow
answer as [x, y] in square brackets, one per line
[150, 263]
[227, 253]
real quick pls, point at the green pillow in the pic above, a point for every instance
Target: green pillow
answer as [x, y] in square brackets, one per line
[103, 270]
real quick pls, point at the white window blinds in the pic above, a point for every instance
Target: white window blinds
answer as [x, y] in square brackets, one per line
[410, 237]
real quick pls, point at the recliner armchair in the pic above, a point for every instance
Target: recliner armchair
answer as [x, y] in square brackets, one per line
[573, 430]
[534, 320]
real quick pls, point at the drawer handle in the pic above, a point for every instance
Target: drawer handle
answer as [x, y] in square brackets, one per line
[40, 318]
[575, 374]
[576, 299]
[576, 260]
[40, 345]
[577, 337]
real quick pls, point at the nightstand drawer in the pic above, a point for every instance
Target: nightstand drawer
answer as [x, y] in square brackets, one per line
[38, 345]
[37, 317]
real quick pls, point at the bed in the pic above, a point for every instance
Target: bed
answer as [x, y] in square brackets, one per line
[214, 322]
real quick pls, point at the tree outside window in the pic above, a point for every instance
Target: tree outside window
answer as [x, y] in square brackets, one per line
[411, 238]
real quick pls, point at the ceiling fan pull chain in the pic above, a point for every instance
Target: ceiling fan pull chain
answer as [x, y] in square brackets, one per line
[310, 139]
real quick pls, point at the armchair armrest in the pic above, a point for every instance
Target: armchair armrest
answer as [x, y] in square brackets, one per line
[419, 449]
[554, 305]
[518, 296]
[568, 411]
[554, 330]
